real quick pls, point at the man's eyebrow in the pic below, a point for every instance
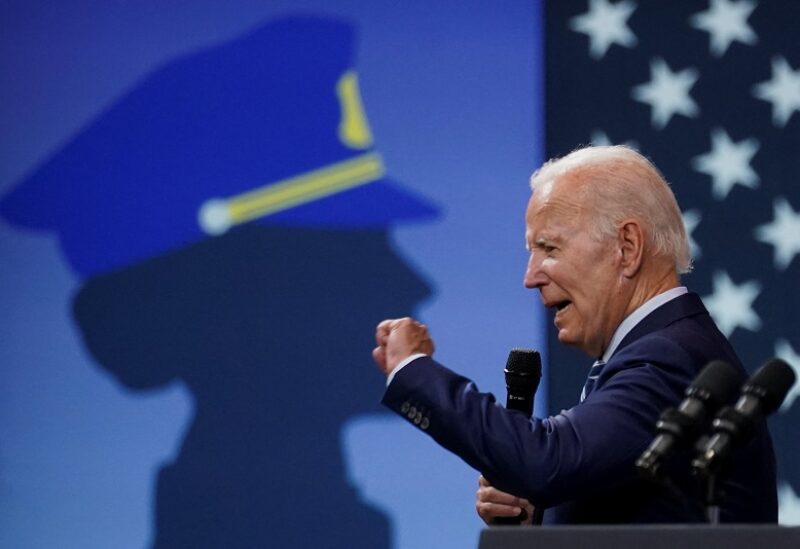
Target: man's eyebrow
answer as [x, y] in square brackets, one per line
[540, 241]
[547, 238]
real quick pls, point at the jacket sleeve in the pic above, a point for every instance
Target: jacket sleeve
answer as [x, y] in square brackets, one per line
[587, 449]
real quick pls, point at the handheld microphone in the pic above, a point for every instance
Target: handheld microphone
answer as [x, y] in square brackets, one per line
[761, 395]
[523, 373]
[715, 385]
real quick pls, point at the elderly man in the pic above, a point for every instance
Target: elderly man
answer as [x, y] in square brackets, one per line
[607, 247]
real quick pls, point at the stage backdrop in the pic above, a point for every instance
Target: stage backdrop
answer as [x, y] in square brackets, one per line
[205, 208]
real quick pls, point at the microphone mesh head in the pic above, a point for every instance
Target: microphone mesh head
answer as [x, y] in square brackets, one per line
[719, 380]
[771, 382]
[524, 361]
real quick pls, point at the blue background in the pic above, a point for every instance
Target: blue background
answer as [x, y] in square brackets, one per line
[452, 93]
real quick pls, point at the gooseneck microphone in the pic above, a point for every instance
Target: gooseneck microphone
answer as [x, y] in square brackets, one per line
[761, 395]
[523, 373]
[715, 385]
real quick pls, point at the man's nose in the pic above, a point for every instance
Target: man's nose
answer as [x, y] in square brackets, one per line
[534, 277]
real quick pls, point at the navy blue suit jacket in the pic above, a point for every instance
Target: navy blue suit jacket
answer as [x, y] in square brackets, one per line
[579, 464]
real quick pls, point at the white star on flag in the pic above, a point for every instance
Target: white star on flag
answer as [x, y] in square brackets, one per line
[606, 24]
[788, 505]
[726, 21]
[783, 232]
[667, 93]
[600, 138]
[728, 163]
[782, 90]
[691, 219]
[731, 305]
[784, 351]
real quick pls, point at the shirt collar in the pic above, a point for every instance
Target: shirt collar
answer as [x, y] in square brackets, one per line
[638, 315]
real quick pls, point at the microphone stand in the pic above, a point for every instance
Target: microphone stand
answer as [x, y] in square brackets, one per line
[713, 494]
[709, 474]
[712, 499]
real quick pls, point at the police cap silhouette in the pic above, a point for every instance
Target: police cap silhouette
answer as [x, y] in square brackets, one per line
[268, 128]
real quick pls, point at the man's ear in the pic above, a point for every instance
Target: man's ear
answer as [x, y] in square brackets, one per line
[631, 245]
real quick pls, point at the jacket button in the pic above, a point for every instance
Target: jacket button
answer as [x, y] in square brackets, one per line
[424, 424]
[404, 408]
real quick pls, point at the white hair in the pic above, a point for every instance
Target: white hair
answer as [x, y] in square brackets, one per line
[618, 183]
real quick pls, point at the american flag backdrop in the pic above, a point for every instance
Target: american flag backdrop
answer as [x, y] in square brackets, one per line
[710, 91]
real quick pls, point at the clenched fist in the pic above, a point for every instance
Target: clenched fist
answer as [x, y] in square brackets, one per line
[398, 339]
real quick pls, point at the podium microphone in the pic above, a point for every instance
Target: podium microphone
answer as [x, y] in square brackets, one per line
[761, 395]
[715, 385]
[523, 373]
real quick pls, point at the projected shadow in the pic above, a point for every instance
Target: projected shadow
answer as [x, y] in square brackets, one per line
[271, 331]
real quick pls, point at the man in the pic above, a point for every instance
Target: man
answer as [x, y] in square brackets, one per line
[607, 247]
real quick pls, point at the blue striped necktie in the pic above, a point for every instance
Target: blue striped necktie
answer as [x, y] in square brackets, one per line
[594, 373]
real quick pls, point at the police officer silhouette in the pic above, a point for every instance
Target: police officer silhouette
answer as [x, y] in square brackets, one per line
[229, 220]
